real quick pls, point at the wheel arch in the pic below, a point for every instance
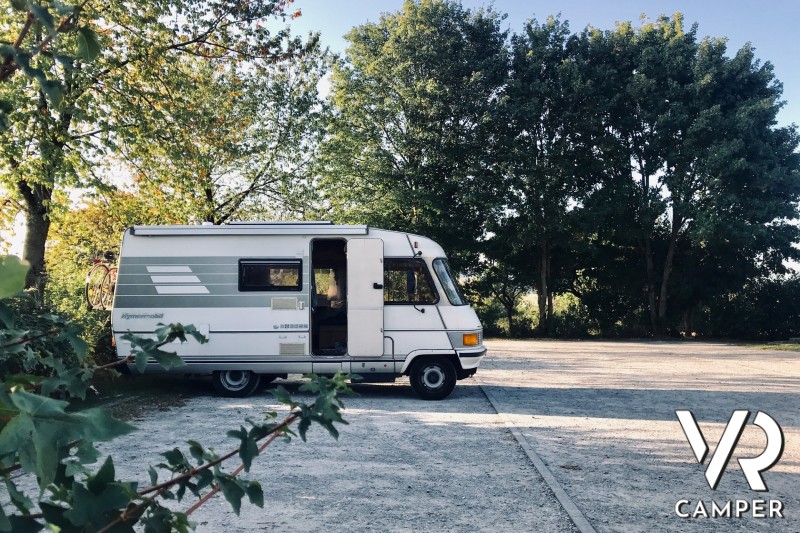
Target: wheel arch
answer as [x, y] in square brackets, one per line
[415, 356]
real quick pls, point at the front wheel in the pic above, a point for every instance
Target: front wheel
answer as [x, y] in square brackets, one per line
[235, 383]
[433, 377]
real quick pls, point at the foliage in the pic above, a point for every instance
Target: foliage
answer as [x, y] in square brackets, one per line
[107, 86]
[81, 234]
[54, 439]
[700, 182]
[764, 309]
[232, 142]
[415, 116]
[551, 160]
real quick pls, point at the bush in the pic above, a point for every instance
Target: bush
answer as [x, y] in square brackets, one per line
[765, 309]
[570, 318]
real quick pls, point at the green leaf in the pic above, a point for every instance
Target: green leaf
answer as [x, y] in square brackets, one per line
[54, 515]
[20, 501]
[22, 524]
[63, 9]
[167, 360]
[87, 453]
[6, 316]
[54, 91]
[88, 44]
[5, 523]
[103, 477]
[80, 346]
[97, 510]
[44, 16]
[196, 450]
[19, 5]
[67, 62]
[282, 396]
[25, 380]
[12, 275]
[255, 494]
[247, 448]
[232, 491]
[141, 359]
[176, 459]
[199, 337]
[204, 479]
[42, 429]
[153, 475]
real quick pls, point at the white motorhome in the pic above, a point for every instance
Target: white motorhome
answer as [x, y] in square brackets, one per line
[279, 298]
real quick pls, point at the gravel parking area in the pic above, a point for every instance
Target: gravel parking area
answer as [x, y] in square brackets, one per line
[401, 465]
[598, 418]
[601, 415]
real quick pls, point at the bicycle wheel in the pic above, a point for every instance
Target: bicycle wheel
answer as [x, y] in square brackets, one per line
[94, 279]
[107, 288]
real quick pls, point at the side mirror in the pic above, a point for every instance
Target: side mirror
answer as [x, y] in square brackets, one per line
[411, 283]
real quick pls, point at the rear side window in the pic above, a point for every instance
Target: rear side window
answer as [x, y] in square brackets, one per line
[407, 281]
[270, 274]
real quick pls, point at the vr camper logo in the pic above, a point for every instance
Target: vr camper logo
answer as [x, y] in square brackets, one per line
[751, 467]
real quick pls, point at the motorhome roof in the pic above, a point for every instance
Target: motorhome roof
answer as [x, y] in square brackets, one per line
[253, 228]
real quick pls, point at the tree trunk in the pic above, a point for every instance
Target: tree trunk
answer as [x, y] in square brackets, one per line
[542, 289]
[651, 287]
[677, 222]
[510, 315]
[37, 225]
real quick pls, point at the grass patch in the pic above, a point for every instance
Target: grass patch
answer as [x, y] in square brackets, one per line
[784, 346]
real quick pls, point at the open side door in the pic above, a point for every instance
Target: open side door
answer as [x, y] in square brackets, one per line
[365, 297]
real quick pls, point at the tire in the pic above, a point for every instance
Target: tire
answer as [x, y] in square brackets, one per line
[107, 289]
[235, 383]
[94, 280]
[432, 377]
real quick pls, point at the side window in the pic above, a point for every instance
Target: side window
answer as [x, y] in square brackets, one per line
[407, 281]
[270, 274]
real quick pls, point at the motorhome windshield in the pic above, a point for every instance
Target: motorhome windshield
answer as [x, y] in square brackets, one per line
[448, 283]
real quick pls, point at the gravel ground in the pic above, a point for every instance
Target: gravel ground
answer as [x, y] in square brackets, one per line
[602, 417]
[401, 465]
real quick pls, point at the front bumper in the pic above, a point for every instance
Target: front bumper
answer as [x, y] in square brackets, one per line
[471, 358]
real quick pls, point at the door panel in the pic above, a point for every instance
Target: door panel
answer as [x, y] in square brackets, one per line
[365, 297]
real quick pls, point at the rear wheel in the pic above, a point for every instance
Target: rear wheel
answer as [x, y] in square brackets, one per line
[433, 377]
[107, 288]
[94, 280]
[235, 383]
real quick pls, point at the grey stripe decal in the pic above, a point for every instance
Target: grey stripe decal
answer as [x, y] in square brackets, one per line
[221, 289]
[162, 301]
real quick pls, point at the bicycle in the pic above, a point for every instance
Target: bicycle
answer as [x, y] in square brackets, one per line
[101, 282]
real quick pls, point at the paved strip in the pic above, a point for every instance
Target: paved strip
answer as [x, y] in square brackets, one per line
[566, 502]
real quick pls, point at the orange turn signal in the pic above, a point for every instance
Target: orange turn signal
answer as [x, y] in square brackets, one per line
[470, 339]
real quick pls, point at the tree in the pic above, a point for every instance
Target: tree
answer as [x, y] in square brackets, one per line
[550, 156]
[699, 165]
[415, 124]
[235, 142]
[60, 128]
[503, 274]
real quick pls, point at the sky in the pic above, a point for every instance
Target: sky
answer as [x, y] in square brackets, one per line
[769, 26]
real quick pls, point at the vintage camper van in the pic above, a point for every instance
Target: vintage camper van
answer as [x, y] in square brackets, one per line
[278, 298]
